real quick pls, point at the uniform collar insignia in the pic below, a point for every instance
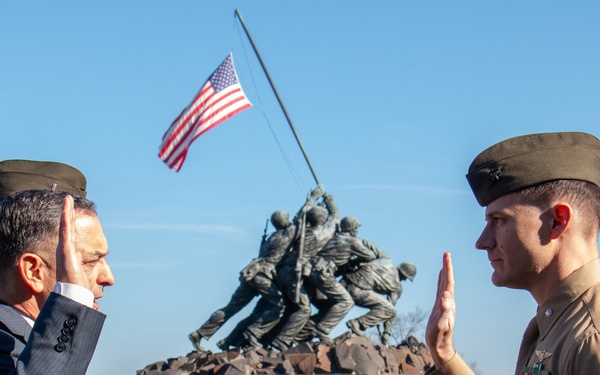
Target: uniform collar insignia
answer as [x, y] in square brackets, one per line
[542, 355]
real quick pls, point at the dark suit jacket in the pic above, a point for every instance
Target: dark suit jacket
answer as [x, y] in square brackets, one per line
[62, 341]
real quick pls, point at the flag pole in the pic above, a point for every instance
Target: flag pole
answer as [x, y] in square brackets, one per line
[289, 120]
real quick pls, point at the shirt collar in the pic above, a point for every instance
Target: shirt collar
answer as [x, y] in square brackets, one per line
[565, 293]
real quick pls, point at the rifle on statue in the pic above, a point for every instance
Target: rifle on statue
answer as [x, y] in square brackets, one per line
[264, 236]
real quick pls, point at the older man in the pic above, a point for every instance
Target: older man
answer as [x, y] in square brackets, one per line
[542, 199]
[52, 270]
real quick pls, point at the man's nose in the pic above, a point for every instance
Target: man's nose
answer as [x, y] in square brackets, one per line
[106, 277]
[486, 240]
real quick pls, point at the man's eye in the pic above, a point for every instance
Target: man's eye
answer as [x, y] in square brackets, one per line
[90, 263]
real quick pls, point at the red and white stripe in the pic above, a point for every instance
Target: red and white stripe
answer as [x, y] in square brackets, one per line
[207, 110]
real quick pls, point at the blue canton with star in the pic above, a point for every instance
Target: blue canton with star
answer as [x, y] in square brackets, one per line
[224, 76]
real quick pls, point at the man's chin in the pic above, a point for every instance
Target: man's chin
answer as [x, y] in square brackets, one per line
[498, 280]
[505, 282]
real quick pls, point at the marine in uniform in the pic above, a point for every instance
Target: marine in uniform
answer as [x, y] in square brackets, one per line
[542, 199]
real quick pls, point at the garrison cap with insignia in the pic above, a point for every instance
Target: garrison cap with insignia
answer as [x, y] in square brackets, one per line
[518, 163]
[19, 175]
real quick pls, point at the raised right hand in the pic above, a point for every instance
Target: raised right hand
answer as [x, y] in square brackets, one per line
[68, 259]
[440, 326]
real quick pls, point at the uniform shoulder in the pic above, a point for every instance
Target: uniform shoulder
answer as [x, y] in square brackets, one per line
[591, 298]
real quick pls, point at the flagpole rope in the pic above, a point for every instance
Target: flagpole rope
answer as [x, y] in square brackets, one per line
[289, 120]
[295, 175]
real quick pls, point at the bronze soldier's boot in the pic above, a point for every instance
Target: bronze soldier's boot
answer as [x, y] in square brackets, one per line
[195, 339]
[307, 333]
[323, 338]
[252, 340]
[223, 344]
[279, 345]
[354, 326]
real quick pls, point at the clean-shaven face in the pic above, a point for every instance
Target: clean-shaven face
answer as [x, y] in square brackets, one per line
[513, 237]
[91, 243]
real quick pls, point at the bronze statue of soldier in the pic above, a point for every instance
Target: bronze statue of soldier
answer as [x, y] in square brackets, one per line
[320, 226]
[340, 252]
[258, 279]
[367, 285]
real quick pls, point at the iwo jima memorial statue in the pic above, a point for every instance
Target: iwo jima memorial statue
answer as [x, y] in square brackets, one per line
[313, 262]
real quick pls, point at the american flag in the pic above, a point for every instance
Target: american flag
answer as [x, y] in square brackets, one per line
[220, 98]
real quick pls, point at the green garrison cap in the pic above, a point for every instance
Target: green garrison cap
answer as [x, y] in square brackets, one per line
[19, 175]
[517, 163]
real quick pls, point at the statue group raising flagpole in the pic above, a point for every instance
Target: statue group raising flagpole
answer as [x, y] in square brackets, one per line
[313, 260]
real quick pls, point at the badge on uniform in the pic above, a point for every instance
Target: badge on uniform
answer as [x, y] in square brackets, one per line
[538, 367]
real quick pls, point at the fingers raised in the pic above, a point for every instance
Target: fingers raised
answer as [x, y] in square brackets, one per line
[68, 262]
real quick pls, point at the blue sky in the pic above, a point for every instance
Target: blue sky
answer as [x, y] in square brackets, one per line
[392, 100]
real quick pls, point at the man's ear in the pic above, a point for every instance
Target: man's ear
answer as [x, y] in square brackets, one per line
[31, 270]
[561, 218]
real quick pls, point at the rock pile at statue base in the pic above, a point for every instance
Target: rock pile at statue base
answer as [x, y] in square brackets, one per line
[306, 358]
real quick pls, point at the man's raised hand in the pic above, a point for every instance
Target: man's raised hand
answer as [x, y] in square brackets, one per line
[443, 315]
[68, 259]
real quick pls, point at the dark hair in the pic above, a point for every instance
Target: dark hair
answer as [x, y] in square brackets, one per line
[583, 196]
[32, 217]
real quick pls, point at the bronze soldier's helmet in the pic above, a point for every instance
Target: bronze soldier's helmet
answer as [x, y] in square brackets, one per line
[316, 216]
[408, 270]
[348, 223]
[280, 219]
